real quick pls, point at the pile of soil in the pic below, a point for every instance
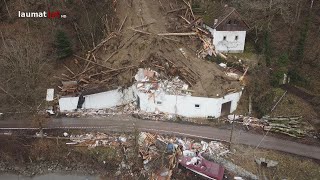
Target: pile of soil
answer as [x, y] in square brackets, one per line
[132, 48]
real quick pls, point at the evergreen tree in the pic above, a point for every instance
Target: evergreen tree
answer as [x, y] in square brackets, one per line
[63, 45]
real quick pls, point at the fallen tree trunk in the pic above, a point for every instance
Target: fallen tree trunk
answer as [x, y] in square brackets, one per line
[175, 10]
[92, 62]
[178, 34]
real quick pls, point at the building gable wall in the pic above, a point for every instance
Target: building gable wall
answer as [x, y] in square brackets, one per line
[232, 23]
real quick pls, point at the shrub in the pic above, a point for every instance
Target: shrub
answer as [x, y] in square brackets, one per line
[275, 78]
[283, 60]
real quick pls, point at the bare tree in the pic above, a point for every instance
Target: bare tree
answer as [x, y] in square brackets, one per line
[23, 68]
[5, 3]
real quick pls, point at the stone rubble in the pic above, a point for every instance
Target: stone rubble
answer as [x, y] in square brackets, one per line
[149, 81]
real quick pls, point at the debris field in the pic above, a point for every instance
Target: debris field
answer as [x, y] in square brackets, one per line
[174, 46]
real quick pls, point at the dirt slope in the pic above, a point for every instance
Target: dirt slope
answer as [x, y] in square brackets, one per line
[154, 51]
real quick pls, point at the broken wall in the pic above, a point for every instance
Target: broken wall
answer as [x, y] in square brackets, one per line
[102, 100]
[187, 106]
[109, 99]
[68, 103]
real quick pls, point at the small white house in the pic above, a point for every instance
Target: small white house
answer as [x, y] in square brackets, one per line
[228, 30]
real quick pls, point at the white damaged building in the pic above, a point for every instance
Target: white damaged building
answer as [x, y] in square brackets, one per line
[153, 94]
[174, 97]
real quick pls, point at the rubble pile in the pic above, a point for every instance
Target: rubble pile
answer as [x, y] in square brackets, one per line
[92, 140]
[208, 48]
[130, 108]
[69, 87]
[156, 116]
[247, 121]
[149, 81]
[159, 154]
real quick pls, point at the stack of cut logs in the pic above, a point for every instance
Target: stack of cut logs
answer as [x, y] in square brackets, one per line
[286, 125]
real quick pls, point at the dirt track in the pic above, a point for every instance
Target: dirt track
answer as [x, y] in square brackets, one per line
[293, 90]
[127, 123]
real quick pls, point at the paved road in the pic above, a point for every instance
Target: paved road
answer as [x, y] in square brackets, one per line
[125, 123]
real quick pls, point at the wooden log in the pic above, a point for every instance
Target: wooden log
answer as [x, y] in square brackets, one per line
[175, 10]
[69, 83]
[185, 19]
[222, 55]
[96, 74]
[115, 52]
[105, 72]
[69, 69]
[193, 23]
[105, 80]
[94, 58]
[93, 62]
[83, 80]
[83, 72]
[143, 32]
[190, 8]
[178, 34]
[161, 67]
[282, 118]
[170, 62]
[112, 35]
[66, 76]
[170, 39]
[147, 24]
[123, 23]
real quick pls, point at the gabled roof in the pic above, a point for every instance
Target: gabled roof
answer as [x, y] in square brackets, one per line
[222, 14]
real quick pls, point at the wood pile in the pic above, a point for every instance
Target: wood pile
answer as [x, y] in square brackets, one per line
[291, 126]
[169, 69]
[91, 74]
[195, 24]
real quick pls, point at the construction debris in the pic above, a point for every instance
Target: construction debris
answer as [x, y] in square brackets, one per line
[149, 81]
[160, 154]
[266, 162]
[50, 95]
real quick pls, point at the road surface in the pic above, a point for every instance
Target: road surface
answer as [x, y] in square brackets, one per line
[128, 123]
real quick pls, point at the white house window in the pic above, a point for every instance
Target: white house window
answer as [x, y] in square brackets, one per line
[236, 38]
[197, 105]
[224, 38]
